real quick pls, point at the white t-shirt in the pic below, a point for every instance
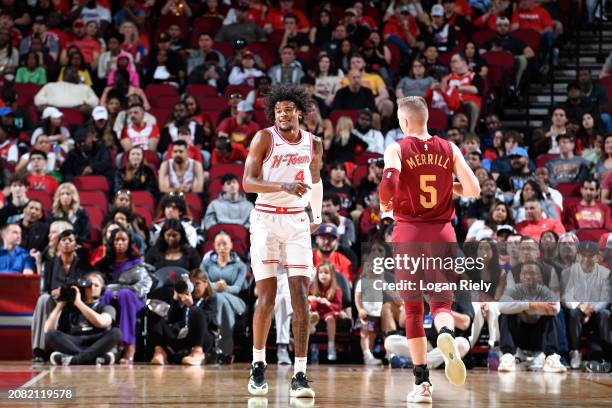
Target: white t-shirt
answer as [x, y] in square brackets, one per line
[374, 309]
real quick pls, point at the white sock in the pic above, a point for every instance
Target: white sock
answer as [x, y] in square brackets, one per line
[300, 365]
[331, 345]
[259, 355]
[367, 354]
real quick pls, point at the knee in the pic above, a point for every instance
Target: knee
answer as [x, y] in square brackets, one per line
[115, 334]
[51, 338]
[266, 303]
[330, 320]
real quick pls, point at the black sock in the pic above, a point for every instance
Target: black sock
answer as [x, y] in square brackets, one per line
[444, 329]
[421, 374]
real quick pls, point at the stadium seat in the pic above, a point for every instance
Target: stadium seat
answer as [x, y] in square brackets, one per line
[144, 199]
[72, 117]
[96, 216]
[226, 49]
[568, 189]
[156, 90]
[437, 119]
[607, 84]
[167, 20]
[545, 158]
[145, 213]
[26, 94]
[162, 115]
[43, 197]
[194, 202]
[201, 90]
[165, 101]
[94, 199]
[359, 173]
[530, 37]
[570, 202]
[445, 58]
[205, 25]
[502, 59]
[335, 115]
[364, 158]
[590, 234]
[92, 183]
[212, 103]
[221, 169]
[239, 234]
[482, 36]
[261, 118]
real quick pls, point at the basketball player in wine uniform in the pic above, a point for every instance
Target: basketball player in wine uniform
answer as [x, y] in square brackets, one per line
[418, 185]
[283, 169]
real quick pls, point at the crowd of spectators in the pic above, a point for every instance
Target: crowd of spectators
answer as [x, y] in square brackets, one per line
[157, 101]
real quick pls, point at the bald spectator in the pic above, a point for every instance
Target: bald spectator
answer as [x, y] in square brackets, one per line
[354, 96]
[535, 224]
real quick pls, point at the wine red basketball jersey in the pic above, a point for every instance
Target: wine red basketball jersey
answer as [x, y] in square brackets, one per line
[425, 191]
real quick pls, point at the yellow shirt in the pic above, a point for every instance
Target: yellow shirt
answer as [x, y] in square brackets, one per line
[371, 81]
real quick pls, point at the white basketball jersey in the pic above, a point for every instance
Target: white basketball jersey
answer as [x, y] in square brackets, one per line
[287, 162]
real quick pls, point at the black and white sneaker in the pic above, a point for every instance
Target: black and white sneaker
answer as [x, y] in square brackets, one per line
[106, 359]
[257, 380]
[58, 358]
[300, 387]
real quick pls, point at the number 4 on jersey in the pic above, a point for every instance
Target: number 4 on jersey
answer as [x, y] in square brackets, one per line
[300, 176]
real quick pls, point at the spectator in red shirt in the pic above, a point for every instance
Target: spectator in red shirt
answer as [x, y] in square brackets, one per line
[37, 177]
[228, 152]
[89, 47]
[193, 152]
[588, 213]
[274, 21]
[139, 133]
[528, 16]
[327, 251]
[241, 128]
[402, 29]
[535, 225]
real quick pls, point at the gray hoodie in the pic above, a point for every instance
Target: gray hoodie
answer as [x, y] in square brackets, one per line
[226, 211]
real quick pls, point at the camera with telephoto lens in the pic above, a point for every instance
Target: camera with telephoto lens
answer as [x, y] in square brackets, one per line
[67, 293]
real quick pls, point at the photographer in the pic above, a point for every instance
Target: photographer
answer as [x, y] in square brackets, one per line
[183, 332]
[79, 328]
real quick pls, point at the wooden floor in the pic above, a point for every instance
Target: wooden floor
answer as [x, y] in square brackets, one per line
[336, 386]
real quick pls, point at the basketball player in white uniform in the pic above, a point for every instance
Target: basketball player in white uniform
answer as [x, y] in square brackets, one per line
[283, 169]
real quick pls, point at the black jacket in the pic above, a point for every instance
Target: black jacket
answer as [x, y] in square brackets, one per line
[35, 237]
[80, 223]
[99, 158]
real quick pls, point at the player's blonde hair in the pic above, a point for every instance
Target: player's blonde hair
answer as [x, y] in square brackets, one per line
[414, 108]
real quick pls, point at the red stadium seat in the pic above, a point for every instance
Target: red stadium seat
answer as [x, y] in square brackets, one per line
[226, 49]
[239, 234]
[145, 213]
[72, 117]
[221, 169]
[96, 216]
[335, 115]
[156, 90]
[261, 118]
[194, 201]
[607, 84]
[201, 90]
[359, 174]
[568, 189]
[545, 158]
[205, 25]
[480, 37]
[590, 234]
[276, 37]
[570, 202]
[261, 47]
[445, 58]
[43, 197]
[152, 159]
[165, 101]
[94, 199]
[437, 119]
[530, 37]
[26, 94]
[212, 103]
[396, 57]
[501, 59]
[167, 20]
[144, 199]
[92, 183]
[363, 159]
[162, 115]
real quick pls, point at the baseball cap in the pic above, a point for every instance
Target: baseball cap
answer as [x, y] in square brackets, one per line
[518, 151]
[244, 106]
[78, 23]
[248, 54]
[506, 228]
[80, 134]
[502, 20]
[40, 20]
[327, 229]
[350, 10]
[404, 9]
[5, 111]
[99, 113]
[52, 112]
[588, 246]
[437, 10]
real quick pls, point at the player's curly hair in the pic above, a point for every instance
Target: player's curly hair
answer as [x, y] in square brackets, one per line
[295, 94]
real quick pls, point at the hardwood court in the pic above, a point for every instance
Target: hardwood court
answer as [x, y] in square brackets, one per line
[336, 386]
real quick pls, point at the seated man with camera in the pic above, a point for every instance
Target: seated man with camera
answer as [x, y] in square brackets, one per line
[79, 330]
[183, 331]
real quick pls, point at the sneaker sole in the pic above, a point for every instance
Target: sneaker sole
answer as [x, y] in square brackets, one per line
[255, 390]
[302, 393]
[419, 400]
[454, 367]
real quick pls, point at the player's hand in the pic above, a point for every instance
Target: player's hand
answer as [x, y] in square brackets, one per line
[314, 228]
[386, 207]
[298, 188]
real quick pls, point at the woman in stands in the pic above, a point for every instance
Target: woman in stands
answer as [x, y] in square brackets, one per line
[31, 71]
[548, 246]
[500, 214]
[52, 127]
[172, 248]
[498, 150]
[227, 273]
[132, 43]
[605, 163]
[416, 83]
[76, 60]
[532, 189]
[123, 199]
[328, 79]
[129, 283]
[590, 128]
[123, 89]
[173, 205]
[67, 206]
[136, 175]
[321, 34]
[124, 63]
[125, 218]
[315, 124]
[345, 144]
[195, 113]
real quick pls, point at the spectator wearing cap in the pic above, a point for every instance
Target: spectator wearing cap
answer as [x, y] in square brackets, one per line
[232, 107]
[50, 41]
[198, 56]
[67, 93]
[89, 47]
[242, 127]
[38, 179]
[503, 41]
[576, 105]
[245, 72]
[587, 295]
[32, 72]
[373, 137]
[101, 126]
[588, 213]
[298, 40]
[289, 71]
[356, 32]
[179, 173]
[275, 18]
[605, 244]
[535, 224]
[226, 151]
[440, 33]
[242, 28]
[520, 172]
[231, 207]
[88, 158]
[9, 55]
[7, 123]
[326, 250]
[567, 168]
[13, 258]
[402, 29]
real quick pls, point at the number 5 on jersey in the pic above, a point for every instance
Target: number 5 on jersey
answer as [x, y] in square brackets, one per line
[429, 189]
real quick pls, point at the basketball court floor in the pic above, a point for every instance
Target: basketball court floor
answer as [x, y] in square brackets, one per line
[336, 386]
